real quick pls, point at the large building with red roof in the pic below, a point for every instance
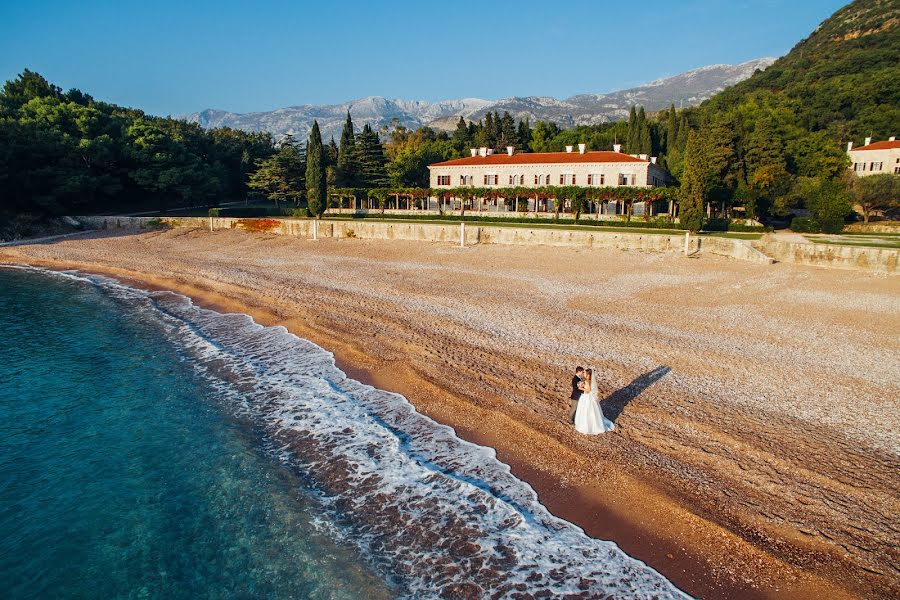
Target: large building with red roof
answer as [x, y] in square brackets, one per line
[488, 169]
[875, 158]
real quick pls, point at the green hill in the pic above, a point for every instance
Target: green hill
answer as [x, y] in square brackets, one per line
[843, 78]
[777, 140]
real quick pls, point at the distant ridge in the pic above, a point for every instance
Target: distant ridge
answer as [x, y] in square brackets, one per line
[685, 89]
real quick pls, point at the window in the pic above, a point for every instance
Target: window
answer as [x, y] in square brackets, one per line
[595, 179]
[542, 179]
[876, 166]
[896, 170]
[443, 180]
[516, 180]
[859, 166]
[626, 179]
[490, 180]
[567, 179]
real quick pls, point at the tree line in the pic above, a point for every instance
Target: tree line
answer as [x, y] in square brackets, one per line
[67, 153]
[766, 147]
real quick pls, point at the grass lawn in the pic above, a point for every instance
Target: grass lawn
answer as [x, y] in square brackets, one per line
[859, 240]
[561, 226]
[536, 224]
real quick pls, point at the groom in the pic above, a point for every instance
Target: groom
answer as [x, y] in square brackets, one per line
[577, 389]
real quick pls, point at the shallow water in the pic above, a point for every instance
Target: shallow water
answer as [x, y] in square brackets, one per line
[151, 448]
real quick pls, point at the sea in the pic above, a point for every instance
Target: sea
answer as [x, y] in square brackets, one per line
[150, 448]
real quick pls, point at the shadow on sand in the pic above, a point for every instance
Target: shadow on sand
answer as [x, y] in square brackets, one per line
[618, 400]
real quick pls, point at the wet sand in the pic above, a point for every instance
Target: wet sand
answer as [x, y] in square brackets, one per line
[756, 451]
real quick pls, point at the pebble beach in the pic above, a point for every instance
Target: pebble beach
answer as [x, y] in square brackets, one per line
[757, 443]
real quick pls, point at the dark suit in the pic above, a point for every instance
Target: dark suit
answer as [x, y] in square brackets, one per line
[573, 399]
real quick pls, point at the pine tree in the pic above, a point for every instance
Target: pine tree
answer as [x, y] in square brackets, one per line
[763, 147]
[347, 169]
[523, 136]
[316, 200]
[371, 159]
[280, 177]
[461, 138]
[488, 131]
[331, 153]
[508, 135]
[706, 158]
[764, 167]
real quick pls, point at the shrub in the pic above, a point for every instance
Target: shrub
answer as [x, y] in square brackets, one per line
[214, 212]
[728, 225]
[156, 224]
[349, 233]
[716, 225]
[806, 225]
[258, 225]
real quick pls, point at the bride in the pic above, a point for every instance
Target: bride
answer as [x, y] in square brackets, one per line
[589, 417]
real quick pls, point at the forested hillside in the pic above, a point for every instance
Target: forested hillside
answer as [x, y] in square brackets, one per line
[770, 144]
[777, 140]
[66, 153]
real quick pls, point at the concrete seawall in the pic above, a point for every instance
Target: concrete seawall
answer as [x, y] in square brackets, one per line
[883, 260]
[762, 251]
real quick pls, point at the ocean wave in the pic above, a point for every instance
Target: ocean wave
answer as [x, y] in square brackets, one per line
[435, 515]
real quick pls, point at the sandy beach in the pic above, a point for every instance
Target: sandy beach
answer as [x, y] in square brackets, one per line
[757, 449]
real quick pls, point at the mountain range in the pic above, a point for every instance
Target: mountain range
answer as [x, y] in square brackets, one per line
[685, 89]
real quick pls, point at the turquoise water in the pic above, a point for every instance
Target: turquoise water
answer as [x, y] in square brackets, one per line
[153, 449]
[121, 477]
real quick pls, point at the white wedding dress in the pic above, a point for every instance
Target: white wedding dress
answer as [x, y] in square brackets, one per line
[589, 417]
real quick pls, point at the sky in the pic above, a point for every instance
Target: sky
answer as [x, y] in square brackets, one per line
[171, 58]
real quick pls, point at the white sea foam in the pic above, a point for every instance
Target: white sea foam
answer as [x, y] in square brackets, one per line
[437, 516]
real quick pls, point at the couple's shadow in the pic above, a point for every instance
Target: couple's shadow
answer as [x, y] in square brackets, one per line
[618, 400]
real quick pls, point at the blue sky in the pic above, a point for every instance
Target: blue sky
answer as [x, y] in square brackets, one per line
[178, 57]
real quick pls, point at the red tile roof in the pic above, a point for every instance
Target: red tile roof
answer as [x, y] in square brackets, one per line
[541, 158]
[885, 145]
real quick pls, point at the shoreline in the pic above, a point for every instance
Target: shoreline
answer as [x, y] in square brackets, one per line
[756, 448]
[664, 532]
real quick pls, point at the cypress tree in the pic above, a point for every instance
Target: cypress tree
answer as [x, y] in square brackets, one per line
[642, 134]
[706, 158]
[671, 128]
[347, 172]
[646, 140]
[315, 173]
[693, 187]
[631, 139]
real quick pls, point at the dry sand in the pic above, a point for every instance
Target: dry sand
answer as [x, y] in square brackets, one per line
[757, 442]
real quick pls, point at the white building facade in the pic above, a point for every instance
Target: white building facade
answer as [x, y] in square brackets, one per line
[875, 158]
[486, 169]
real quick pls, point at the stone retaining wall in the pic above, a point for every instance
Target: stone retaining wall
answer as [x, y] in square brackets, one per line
[450, 233]
[825, 255]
